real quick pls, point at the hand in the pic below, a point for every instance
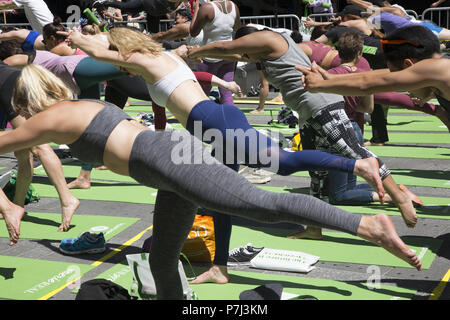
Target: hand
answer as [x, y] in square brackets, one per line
[72, 37]
[182, 51]
[191, 53]
[312, 76]
[309, 23]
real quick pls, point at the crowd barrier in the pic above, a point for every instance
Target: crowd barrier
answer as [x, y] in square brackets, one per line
[440, 16]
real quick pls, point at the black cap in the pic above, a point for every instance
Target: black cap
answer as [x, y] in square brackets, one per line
[350, 9]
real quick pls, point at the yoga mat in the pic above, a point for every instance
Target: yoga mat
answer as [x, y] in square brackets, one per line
[322, 289]
[255, 101]
[414, 138]
[72, 171]
[335, 246]
[411, 152]
[131, 193]
[414, 123]
[267, 112]
[276, 127]
[31, 279]
[434, 208]
[44, 226]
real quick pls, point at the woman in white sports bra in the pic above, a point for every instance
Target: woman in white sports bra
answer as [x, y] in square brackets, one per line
[217, 20]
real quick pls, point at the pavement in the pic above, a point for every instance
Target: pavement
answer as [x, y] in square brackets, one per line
[427, 284]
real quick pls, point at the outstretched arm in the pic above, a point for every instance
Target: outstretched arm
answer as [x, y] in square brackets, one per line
[95, 48]
[179, 31]
[426, 73]
[8, 5]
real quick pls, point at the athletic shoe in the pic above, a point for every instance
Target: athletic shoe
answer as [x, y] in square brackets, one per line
[86, 243]
[99, 3]
[242, 255]
[254, 176]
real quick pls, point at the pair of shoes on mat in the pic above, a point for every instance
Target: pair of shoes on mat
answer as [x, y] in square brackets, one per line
[256, 176]
[242, 255]
[86, 243]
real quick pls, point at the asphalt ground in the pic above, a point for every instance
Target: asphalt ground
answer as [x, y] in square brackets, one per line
[428, 284]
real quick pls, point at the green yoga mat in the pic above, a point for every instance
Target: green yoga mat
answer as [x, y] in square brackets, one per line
[414, 138]
[411, 152]
[31, 279]
[434, 208]
[335, 246]
[72, 171]
[105, 191]
[44, 226]
[321, 289]
[414, 123]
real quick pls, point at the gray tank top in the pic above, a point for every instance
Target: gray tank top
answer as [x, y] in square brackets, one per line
[90, 146]
[281, 73]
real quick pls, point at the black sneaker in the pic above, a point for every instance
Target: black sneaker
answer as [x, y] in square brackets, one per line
[242, 255]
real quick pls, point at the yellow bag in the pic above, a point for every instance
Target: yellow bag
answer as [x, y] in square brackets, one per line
[200, 245]
[297, 143]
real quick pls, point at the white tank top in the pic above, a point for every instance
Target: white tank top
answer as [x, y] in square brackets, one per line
[161, 90]
[220, 28]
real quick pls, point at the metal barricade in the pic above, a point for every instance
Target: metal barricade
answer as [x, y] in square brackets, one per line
[440, 16]
[321, 17]
[286, 21]
[413, 13]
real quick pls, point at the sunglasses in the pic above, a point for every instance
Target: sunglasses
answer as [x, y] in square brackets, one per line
[399, 42]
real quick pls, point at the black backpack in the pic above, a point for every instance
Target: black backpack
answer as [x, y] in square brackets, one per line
[102, 289]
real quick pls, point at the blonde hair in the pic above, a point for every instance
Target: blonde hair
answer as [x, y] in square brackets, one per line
[37, 89]
[91, 29]
[127, 41]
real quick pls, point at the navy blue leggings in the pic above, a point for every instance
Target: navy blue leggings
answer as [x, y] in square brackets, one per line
[223, 117]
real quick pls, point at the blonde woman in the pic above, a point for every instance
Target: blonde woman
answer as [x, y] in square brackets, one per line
[101, 133]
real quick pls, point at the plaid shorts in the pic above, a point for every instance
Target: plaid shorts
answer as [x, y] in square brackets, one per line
[333, 128]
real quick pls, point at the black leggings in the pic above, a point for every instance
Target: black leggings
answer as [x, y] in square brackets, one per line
[6, 92]
[118, 90]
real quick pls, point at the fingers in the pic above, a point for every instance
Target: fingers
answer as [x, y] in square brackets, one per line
[304, 70]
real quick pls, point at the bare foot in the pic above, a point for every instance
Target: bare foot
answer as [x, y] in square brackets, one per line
[79, 184]
[368, 143]
[369, 170]
[13, 216]
[310, 233]
[380, 230]
[68, 210]
[102, 168]
[416, 201]
[216, 274]
[257, 111]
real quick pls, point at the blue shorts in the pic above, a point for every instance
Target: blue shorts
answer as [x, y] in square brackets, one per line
[434, 28]
[28, 45]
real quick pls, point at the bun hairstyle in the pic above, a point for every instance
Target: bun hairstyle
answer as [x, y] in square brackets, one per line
[52, 29]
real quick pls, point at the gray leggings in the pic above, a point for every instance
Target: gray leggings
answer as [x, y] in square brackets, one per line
[208, 183]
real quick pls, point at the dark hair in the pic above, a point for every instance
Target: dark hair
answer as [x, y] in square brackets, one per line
[349, 46]
[185, 13]
[245, 30]
[318, 31]
[51, 29]
[9, 48]
[426, 42]
[297, 37]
